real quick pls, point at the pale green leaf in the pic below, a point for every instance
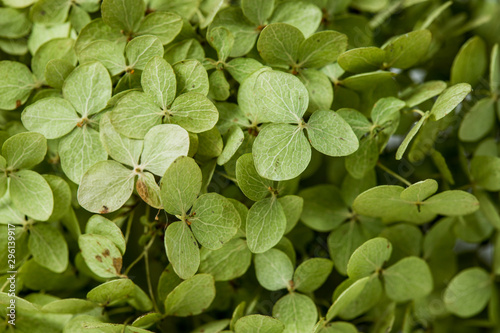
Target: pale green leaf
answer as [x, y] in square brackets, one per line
[101, 255]
[186, 49]
[330, 134]
[31, 194]
[16, 83]
[233, 139]
[111, 292]
[292, 206]
[281, 152]
[452, 203]
[191, 76]
[50, 11]
[99, 225]
[243, 31]
[191, 297]
[194, 112]
[56, 71]
[119, 147]
[58, 48]
[164, 25]
[321, 49]
[53, 117]
[366, 300]
[162, 145]
[385, 202]
[222, 40]
[408, 279]
[363, 59]
[158, 81]
[303, 15]
[182, 249]
[369, 258]
[141, 49]
[319, 87]
[343, 241]
[298, 313]
[411, 134]
[69, 306]
[274, 269]
[279, 44]
[62, 197]
[265, 225]
[98, 30]
[219, 87]
[346, 297]
[449, 99]
[250, 182]
[494, 70]
[280, 96]
[468, 292]
[324, 209]
[478, 121]
[88, 88]
[470, 63]
[407, 50]
[484, 170]
[48, 247]
[241, 68]
[257, 11]
[149, 190]
[423, 92]
[311, 274]
[109, 54]
[227, 263]
[258, 324]
[123, 14]
[14, 23]
[24, 150]
[105, 187]
[370, 5]
[214, 220]
[420, 190]
[80, 150]
[135, 114]
[180, 185]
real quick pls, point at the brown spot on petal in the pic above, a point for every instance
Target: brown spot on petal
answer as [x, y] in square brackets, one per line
[98, 257]
[106, 253]
[117, 264]
[18, 103]
[104, 210]
[142, 189]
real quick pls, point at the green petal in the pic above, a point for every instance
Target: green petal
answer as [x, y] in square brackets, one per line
[31, 194]
[105, 187]
[215, 220]
[182, 249]
[53, 117]
[16, 83]
[88, 88]
[162, 145]
[24, 150]
[80, 150]
[281, 152]
[265, 225]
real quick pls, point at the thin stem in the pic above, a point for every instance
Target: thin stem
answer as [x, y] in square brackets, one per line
[227, 177]
[143, 253]
[129, 225]
[150, 286]
[420, 112]
[392, 173]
